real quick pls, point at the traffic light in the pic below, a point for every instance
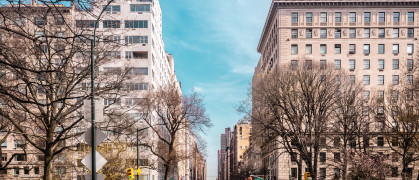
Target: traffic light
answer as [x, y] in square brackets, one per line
[306, 175]
[250, 178]
[130, 173]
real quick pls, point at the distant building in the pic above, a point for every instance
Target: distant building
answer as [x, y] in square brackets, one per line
[239, 144]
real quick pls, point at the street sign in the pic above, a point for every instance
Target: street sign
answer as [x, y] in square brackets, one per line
[98, 177]
[100, 161]
[138, 171]
[98, 110]
[87, 136]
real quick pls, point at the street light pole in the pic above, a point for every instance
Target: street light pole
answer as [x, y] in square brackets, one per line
[92, 92]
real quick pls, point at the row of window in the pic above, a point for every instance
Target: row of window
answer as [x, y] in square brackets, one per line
[128, 101]
[353, 33]
[26, 171]
[352, 49]
[352, 64]
[113, 23]
[353, 17]
[133, 8]
[117, 54]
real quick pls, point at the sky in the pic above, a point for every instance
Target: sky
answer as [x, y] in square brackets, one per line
[214, 47]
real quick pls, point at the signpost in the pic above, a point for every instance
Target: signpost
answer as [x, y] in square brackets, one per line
[100, 161]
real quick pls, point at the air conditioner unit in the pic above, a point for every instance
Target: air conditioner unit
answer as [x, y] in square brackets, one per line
[107, 12]
[140, 12]
[380, 69]
[144, 44]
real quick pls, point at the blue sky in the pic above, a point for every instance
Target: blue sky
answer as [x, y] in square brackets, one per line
[214, 46]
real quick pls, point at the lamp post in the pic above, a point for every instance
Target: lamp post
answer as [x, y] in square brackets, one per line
[138, 151]
[92, 92]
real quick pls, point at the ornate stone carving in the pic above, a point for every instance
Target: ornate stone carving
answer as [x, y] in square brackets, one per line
[388, 32]
[344, 32]
[373, 32]
[330, 32]
[359, 32]
[402, 31]
[315, 32]
[301, 32]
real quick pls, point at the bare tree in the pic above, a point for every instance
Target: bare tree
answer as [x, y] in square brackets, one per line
[45, 68]
[294, 105]
[169, 115]
[369, 167]
[398, 117]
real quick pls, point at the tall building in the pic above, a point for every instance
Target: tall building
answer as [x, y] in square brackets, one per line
[224, 163]
[137, 27]
[373, 40]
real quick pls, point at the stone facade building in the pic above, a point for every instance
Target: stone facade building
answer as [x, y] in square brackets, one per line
[376, 41]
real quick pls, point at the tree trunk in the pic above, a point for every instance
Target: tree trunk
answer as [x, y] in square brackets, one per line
[404, 171]
[48, 164]
[166, 172]
[300, 171]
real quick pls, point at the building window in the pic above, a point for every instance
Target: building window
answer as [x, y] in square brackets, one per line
[4, 157]
[322, 157]
[366, 95]
[410, 33]
[337, 32]
[140, 7]
[366, 48]
[352, 48]
[323, 64]
[20, 157]
[380, 79]
[294, 33]
[294, 64]
[395, 80]
[381, 17]
[114, 9]
[294, 17]
[136, 24]
[337, 48]
[381, 64]
[4, 144]
[309, 33]
[395, 32]
[396, 17]
[136, 39]
[40, 21]
[323, 33]
[380, 141]
[294, 49]
[395, 64]
[111, 24]
[367, 17]
[136, 87]
[366, 33]
[365, 110]
[410, 49]
[36, 170]
[352, 33]
[336, 173]
[352, 79]
[294, 172]
[410, 64]
[323, 17]
[380, 95]
[409, 79]
[309, 48]
[395, 48]
[16, 171]
[366, 64]
[309, 17]
[351, 64]
[137, 70]
[322, 173]
[336, 141]
[336, 156]
[323, 49]
[381, 33]
[381, 49]
[352, 17]
[337, 64]
[26, 170]
[366, 80]
[394, 172]
[411, 17]
[338, 17]
[19, 144]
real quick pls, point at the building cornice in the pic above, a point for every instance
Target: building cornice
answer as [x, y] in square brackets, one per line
[320, 4]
